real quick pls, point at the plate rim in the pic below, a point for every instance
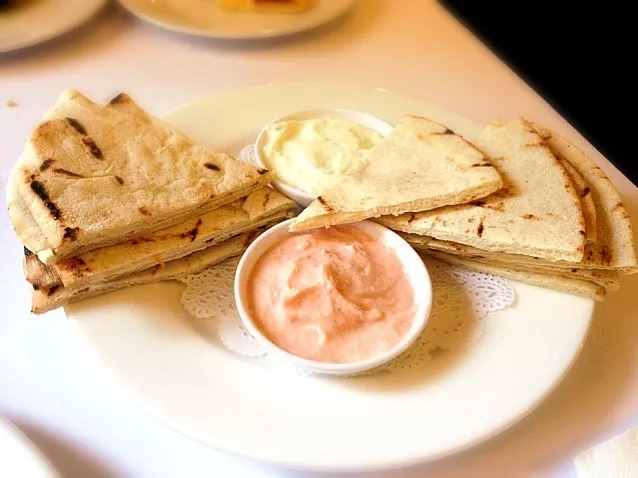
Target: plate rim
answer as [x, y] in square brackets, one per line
[160, 417]
[43, 463]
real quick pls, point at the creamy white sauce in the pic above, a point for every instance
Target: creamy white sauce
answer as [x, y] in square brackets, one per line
[312, 154]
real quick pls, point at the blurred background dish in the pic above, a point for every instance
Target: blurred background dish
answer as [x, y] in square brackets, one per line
[238, 19]
[267, 6]
[26, 23]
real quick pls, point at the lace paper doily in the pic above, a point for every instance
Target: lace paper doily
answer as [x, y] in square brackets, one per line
[461, 299]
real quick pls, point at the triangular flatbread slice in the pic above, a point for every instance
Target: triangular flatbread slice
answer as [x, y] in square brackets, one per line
[606, 277]
[554, 282]
[44, 300]
[107, 263]
[609, 279]
[586, 199]
[517, 261]
[94, 175]
[615, 245]
[421, 165]
[538, 211]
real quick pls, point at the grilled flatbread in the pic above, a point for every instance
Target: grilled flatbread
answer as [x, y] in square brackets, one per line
[538, 211]
[44, 300]
[609, 279]
[95, 175]
[604, 276]
[586, 199]
[107, 263]
[614, 246]
[421, 165]
[39, 275]
[571, 286]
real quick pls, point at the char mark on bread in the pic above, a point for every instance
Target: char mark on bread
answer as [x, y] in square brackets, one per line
[71, 233]
[46, 164]
[93, 148]
[77, 126]
[482, 165]
[193, 232]
[118, 99]
[68, 173]
[479, 229]
[323, 202]
[447, 131]
[38, 188]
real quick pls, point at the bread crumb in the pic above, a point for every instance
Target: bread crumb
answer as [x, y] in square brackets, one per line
[11, 104]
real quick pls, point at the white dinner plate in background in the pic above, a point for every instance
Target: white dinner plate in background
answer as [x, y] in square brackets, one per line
[204, 18]
[192, 383]
[36, 21]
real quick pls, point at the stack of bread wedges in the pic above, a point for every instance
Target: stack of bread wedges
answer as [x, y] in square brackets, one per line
[105, 196]
[520, 202]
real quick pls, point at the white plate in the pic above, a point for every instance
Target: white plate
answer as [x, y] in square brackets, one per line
[203, 18]
[19, 457]
[37, 21]
[193, 384]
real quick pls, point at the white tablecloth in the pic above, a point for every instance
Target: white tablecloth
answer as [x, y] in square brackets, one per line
[85, 423]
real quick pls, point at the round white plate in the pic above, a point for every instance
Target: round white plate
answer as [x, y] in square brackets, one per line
[20, 457]
[204, 18]
[189, 381]
[37, 21]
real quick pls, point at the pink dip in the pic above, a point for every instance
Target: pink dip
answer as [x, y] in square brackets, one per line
[331, 295]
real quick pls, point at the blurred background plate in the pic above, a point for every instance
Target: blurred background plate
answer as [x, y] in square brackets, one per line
[30, 22]
[19, 457]
[205, 19]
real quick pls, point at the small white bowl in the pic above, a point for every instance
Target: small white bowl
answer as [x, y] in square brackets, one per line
[301, 197]
[414, 267]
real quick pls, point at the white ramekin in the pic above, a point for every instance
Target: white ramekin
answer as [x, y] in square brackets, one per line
[414, 268]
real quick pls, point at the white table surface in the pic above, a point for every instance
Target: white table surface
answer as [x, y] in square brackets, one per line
[84, 422]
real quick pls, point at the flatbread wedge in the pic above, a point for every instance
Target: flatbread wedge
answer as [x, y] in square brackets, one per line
[586, 199]
[44, 300]
[615, 245]
[107, 263]
[94, 175]
[613, 250]
[571, 286]
[421, 165]
[536, 213]
[606, 277]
